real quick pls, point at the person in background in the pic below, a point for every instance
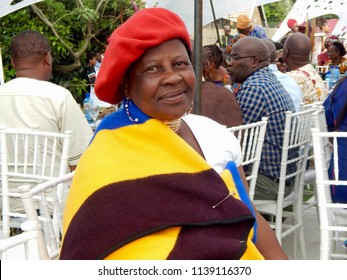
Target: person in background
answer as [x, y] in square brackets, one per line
[297, 56]
[90, 70]
[30, 101]
[319, 39]
[245, 27]
[217, 102]
[226, 38]
[98, 61]
[213, 70]
[279, 60]
[262, 95]
[336, 114]
[287, 82]
[336, 52]
[323, 57]
[161, 189]
[92, 73]
[293, 25]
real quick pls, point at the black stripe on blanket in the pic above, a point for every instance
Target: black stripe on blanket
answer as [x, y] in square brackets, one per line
[122, 212]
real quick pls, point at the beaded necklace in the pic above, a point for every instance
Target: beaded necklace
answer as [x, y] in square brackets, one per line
[174, 124]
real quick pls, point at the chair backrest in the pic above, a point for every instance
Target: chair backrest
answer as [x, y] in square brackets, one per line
[322, 69]
[51, 222]
[29, 156]
[251, 138]
[314, 105]
[295, 148]
[23, 246]
[328, 211]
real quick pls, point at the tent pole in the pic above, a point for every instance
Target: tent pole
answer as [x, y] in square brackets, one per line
[215, 23]
[2, 79]
[197, 54]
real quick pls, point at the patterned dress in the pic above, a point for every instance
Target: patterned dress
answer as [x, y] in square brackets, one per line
[342, 65]
[310, 83]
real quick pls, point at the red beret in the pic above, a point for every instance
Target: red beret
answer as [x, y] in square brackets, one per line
[147, 28]
[291, 22]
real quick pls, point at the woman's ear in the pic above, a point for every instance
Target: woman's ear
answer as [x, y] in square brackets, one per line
[125, 88]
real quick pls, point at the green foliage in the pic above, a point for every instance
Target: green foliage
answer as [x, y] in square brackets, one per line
[72, 30]
[277, 11]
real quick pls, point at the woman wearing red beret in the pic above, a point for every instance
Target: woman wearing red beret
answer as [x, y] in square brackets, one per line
[157, 182]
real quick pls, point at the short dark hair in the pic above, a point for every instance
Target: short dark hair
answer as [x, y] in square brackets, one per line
[278, 45]
[90, 56]
[340, 47]
[29, 45]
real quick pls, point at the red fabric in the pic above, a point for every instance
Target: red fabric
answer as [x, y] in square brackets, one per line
[147, 28]
[323, 58]
[291, 22]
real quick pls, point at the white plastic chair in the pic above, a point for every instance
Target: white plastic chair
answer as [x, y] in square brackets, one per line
[295, 148]
[50, 222]
[314, 105]
[322, 69]
[251, 138]
[332, 216]
[319, 122]
[29, 156]
[24, 246]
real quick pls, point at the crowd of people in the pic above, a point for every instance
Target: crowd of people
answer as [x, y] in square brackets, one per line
[155, 180]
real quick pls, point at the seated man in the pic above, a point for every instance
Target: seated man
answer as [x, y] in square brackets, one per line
[30, 100]
[262, 95]
[288, 83]
[297, 56]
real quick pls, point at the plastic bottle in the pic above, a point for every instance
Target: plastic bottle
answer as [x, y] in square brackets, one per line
[328, 79]
[87, 105]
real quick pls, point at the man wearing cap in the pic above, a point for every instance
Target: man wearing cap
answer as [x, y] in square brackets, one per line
[293, 25]
[244, 26]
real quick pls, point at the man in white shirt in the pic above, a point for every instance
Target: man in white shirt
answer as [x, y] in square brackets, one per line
[30, 100]
[288, 83]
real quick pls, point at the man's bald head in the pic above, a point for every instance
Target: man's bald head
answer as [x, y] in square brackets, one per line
[248, 55]
[272, 48]
[253, 46]
[297, 50]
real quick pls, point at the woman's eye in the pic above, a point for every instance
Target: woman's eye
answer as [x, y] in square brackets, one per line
[181, 64]
[152, 69]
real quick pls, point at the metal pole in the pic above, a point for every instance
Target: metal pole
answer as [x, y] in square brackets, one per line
[2, 79]
[215, 22]
[197, 54]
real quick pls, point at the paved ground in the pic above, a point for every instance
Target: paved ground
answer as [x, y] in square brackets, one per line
[311, 230]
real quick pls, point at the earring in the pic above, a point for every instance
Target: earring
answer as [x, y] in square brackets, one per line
[126, 106]
[190, 108]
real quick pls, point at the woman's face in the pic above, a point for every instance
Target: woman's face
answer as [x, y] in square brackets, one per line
[333, 53]
[162, 81]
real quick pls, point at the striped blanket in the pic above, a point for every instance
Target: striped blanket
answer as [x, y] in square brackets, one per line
[141, 192]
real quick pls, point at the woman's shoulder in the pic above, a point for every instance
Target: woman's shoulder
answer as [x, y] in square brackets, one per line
[203, 122]
[209, 130]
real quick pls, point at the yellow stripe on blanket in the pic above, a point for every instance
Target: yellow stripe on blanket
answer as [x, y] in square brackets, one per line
[123, 146]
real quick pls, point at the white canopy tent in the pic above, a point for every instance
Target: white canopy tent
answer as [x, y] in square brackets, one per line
[6, 8]
[304, 10]
[222, 8]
